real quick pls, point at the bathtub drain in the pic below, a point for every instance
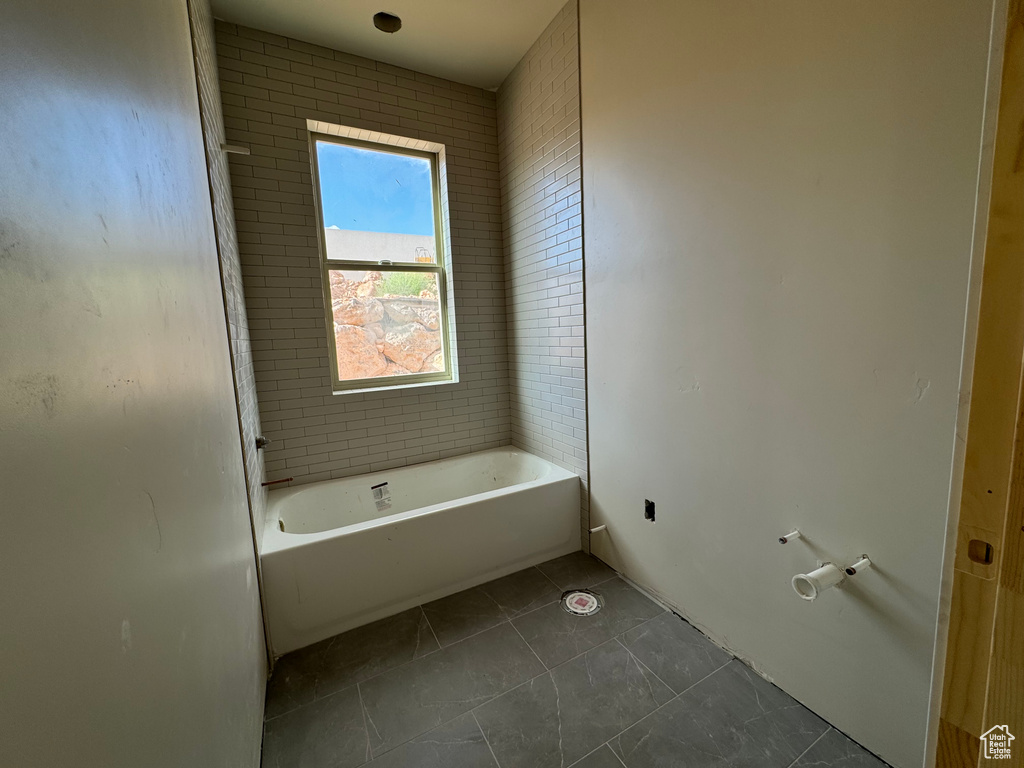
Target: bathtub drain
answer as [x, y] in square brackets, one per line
[581, 602]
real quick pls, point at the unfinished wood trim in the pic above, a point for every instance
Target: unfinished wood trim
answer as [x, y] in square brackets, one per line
[971, 617]
[985, 654]
[957, 748]
[983, 671]
[1005, 699]
[1009, 220]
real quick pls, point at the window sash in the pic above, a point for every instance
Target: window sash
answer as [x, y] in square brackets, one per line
[327, 265]
[377, 382]
[435, 185]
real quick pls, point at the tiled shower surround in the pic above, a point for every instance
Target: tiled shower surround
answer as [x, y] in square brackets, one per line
[539, 146]
[500, 676]
[506, 242]
[515, 241]
[204, 46]
[271, 85]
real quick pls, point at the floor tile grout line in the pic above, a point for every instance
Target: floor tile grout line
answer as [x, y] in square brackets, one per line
[365, 679]
[488, 595]
[618, 638]
[431, 628]
[538, 658]
[550, 580]
[460, 640]
[366, 729]
[530, 680]
[658, 709]
[615, 575]
[440, 647]
[708, 640]
[392, 669]
[811, 745]
[358, 683]
[653, 711]
[424, 656]
[525, 611]
[546, 671]
[537, 608]
[634, 657]
[488, 743]
[599, 747]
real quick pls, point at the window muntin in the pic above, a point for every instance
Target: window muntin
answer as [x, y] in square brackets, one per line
[384, 284]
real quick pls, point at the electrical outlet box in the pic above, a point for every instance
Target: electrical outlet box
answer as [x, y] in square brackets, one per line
[649, 510]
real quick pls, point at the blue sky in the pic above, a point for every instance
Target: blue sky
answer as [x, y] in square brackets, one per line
[374, 191]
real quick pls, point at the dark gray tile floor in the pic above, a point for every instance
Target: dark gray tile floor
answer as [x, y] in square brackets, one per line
[499, 676]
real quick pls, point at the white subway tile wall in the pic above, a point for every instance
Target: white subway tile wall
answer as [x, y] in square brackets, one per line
[204, 46]
[539, 150]
[271, 85]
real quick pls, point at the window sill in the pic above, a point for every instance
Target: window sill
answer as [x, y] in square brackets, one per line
[392, 387]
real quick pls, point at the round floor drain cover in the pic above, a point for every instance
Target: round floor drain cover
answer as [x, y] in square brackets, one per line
[581, 602]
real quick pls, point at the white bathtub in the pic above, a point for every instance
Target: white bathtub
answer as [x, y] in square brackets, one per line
[333, 561]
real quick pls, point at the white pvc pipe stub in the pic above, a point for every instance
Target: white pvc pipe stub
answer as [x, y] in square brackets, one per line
[861, 565]
[809, 585]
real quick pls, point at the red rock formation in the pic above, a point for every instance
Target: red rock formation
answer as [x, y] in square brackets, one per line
[356, 311]
[410, 344]
[358, 354]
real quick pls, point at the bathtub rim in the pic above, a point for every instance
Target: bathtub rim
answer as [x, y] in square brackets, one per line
[276, 540]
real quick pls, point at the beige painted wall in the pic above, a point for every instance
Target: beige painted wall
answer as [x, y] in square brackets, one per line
[131, 626]
[779, 200]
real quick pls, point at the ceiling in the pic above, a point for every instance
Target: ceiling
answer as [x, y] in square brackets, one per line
[477, 42]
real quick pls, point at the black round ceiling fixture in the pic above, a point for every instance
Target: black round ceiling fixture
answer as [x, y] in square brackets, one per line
[387, 22]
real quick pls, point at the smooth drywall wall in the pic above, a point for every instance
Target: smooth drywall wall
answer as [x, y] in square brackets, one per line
[779, 201]
[131, 622]
[539, 160]
[271, 86]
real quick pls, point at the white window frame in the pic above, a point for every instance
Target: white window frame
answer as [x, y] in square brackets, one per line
[320, 132]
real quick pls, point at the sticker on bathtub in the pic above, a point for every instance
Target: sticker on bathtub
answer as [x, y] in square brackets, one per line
[381, 496]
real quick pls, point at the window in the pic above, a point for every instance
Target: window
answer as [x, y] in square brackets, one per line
[382, 251]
